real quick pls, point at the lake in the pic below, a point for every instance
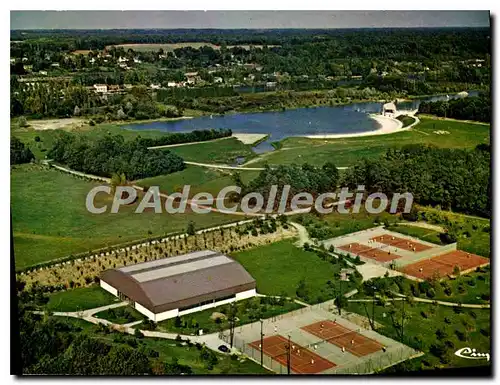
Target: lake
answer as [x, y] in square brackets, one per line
[351, 118]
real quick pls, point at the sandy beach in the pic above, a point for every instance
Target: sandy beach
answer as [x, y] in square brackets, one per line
[387, 126]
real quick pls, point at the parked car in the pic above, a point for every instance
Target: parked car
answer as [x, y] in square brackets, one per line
[223, 348]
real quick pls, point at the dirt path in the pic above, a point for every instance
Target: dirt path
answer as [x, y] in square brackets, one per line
[423, 225]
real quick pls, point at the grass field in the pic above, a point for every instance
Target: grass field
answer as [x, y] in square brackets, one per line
[50, 219]
[120, 315]
[472, 237]
[200, 179]
[418, 232]
[278, 268]
[248, 311]
[436, 330]
[82, 298]
[471, 288]
[220, 151]
[337, 224]
[345, 152]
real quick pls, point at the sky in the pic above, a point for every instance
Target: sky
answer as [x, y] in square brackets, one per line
[245, 19]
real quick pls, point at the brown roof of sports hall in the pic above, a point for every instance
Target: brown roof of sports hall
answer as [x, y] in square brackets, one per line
[181, 281]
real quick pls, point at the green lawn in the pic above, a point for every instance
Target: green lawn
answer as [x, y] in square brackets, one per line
[459, 327]
[337, 224]
[50, 219]
[220, 151]
[473, 232]
[470, 288]
[248, 311]
[418, 232]
[120, 315]
[80, 299]
[345, 152]
[201, 179]
[278, 268]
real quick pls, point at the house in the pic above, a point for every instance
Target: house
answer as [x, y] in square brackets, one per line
[100, 88]
[171, 287]
[389, 109]
[192, 77]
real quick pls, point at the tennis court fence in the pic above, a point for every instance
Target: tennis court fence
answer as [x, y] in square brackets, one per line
[244, 347]
[377, 362]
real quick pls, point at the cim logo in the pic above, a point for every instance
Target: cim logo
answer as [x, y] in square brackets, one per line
[472, 354]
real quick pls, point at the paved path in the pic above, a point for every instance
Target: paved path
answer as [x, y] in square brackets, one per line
[425, 300]
[227, 167]
[187, 144]
[303, 235]
[224, 166]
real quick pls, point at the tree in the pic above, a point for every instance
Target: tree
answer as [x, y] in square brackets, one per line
[19, 153]
[120, 114]
[191, 228]
[302, 291]
[22, 122]
[118, 180]
[341, 303]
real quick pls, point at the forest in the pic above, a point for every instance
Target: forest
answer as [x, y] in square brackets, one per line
[472, 108]
[113, 155]
[186, 137]
[300, 178]
[454, 179]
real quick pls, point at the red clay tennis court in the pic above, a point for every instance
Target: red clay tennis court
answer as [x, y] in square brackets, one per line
[443, 265]
[369, 252]
[302, 360]
[401, 243]
[343, 337]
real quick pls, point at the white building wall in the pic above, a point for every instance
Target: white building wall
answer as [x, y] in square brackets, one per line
[175, 312]
[141, 309]
[239, 296]
[246, 294]
[166, 315]
[108, 287]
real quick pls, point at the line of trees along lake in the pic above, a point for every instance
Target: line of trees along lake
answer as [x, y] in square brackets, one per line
[471, 108]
